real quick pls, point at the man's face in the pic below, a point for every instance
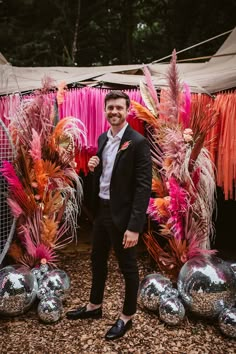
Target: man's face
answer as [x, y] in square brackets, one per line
[116, 112]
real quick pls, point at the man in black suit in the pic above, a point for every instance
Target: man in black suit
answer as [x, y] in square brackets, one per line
[122, 181]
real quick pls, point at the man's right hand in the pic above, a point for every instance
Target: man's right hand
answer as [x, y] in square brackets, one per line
[93, 162]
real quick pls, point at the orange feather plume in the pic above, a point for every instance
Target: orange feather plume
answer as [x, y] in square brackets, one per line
[144, 114]
[162, 207]
[158, 187]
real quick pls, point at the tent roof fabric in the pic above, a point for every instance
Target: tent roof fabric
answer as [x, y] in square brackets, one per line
[218, 74]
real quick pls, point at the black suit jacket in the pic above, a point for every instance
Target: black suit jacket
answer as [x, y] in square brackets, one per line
[131, 179]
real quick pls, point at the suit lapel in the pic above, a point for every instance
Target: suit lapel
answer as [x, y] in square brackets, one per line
[102, 145]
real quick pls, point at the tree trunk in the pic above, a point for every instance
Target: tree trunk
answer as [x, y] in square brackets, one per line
[75, 40]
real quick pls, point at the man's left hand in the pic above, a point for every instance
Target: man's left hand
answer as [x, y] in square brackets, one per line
[130, 239]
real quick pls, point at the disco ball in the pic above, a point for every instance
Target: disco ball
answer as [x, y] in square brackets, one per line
[206, 285]
[39, 272]
[168, 294]
[151, 288]
[44, 268]
[172, 311]
[18, 289]
[36, 272]
[50, 309]
[227, 322]
[233, 267]
[54, 283]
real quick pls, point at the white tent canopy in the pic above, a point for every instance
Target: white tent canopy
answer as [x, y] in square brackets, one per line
[217, 74]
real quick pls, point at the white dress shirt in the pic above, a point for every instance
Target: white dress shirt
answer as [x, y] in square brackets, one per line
[108, 159]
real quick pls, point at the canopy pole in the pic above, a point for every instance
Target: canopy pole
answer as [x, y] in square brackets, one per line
[193, 46]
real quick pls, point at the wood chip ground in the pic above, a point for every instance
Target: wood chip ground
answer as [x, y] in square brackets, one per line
[26, 334]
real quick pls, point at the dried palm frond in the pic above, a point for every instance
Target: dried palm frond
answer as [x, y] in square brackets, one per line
[167, 259]
[151, 89]
[53, 202]
[156, 151]
[149, 95]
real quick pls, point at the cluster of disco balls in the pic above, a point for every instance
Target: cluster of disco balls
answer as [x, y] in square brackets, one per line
[157, 293]
[20, 287]
[206, 287]
[53, 288]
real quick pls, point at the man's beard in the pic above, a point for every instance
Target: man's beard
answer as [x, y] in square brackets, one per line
[118, 121]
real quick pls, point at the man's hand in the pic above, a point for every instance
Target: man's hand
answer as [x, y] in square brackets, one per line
[93, 162]
[130, 239]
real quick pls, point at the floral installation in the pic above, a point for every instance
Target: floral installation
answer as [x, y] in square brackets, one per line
[125, 145]
[45, 190]
[183, 184]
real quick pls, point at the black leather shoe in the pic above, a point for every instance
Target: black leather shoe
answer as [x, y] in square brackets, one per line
[82, 313]
[118, 329]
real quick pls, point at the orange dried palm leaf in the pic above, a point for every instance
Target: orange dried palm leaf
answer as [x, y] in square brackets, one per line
[40, 176]
[158, 187]
[164, 259]
[52, 170]
[162, 207]
[53, 203]
[49, 231]
[144, 114]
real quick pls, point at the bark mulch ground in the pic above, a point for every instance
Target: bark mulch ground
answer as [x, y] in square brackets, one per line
[25, 334]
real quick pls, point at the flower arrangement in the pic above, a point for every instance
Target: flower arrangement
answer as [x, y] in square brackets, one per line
[45, 190]
[183, 185]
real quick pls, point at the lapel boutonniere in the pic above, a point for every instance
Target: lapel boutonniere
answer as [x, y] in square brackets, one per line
[125, 145]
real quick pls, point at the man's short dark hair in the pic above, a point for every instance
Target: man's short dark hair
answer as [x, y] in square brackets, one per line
[114, 94]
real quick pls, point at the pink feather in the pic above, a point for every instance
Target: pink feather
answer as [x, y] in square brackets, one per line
[15, 186]
[36, 148]
[195, 250]
[178, 207]
[15, 208]
[27, 241]
[179, 197]
[9, 173]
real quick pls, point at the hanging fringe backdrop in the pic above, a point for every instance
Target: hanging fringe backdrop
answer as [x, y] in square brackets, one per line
[87, 105]
[226, 152]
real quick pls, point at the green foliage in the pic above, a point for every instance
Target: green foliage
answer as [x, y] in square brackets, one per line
[44, 33]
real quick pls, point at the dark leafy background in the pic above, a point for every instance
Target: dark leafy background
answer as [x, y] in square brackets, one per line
[103, 32]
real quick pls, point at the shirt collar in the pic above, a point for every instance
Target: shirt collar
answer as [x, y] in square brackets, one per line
[119, 135]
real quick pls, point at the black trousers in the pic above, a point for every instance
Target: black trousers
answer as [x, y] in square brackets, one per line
[105, 236]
